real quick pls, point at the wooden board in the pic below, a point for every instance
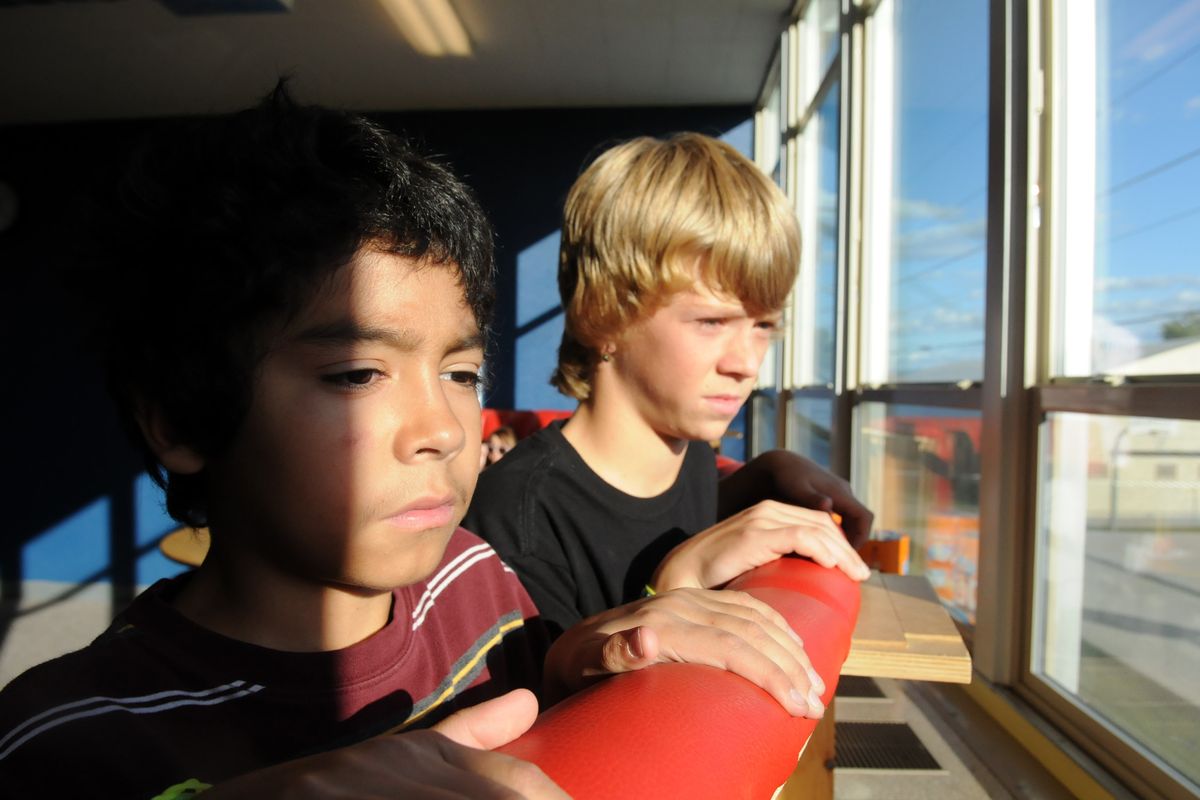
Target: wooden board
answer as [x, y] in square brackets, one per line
[905, 632]
[813, 776]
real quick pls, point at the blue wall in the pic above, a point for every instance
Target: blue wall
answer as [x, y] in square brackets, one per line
[78, 507]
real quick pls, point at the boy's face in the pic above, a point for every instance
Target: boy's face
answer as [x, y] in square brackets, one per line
[687, 368]
[360, 451]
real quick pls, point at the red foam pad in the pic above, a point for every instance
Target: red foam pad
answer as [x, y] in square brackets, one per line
[686, 730]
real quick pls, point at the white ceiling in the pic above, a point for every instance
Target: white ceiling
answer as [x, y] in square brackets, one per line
[105, 59]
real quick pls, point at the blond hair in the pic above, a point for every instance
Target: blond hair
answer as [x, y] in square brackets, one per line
[639, 220]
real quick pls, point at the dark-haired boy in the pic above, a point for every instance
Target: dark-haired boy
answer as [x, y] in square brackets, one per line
[295, 307]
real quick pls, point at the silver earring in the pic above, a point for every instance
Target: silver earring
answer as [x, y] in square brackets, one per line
[606, 357]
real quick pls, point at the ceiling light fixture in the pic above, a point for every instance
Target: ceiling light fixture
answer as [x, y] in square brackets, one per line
[188, 8]
[432, 27]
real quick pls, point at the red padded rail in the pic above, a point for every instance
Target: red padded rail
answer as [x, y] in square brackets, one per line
[690, 731]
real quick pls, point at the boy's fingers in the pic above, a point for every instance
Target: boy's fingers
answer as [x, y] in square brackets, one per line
[856, 520]
[833, 550]
[817, 535]
[805, 690]
[811, 537]
[736, 632]
[771, 622]
[473, 731]
[492, 723]
[628, 650]
[486, 774]
[763, 664]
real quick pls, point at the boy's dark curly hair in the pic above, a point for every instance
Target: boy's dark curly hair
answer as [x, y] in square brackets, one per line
[223, 225]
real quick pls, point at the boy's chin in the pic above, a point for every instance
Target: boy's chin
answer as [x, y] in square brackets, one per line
[416, 563]
[708, 432]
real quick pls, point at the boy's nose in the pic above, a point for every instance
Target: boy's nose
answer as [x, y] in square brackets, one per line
[743, 355]
[428, 427]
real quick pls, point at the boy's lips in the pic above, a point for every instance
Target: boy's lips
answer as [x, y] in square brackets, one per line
[427, 512]
[727, 404]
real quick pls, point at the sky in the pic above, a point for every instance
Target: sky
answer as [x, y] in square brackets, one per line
[1147, 207]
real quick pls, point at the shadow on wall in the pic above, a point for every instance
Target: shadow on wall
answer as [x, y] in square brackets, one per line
[80, 510]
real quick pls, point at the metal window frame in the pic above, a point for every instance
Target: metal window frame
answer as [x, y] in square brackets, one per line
[1018, 389]
[1030, 390]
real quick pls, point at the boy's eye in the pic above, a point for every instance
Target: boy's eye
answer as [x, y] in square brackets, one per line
[354, 378]
[463, 377]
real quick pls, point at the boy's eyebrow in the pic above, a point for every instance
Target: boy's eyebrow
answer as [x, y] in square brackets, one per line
[349, 332]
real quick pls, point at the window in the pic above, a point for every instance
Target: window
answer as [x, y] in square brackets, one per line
[1127, 135]
[920, 467]
[926, 169]
[1116, 595]
[917, 454]
[996, 334]
[800, 143]
[1117, 586]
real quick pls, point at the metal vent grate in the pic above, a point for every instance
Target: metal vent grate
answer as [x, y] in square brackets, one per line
[881, 745]
[858, 686]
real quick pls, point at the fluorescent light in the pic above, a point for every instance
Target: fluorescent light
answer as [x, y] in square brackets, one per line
[432, 27]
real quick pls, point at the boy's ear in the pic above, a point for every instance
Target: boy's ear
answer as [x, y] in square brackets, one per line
[173, 454]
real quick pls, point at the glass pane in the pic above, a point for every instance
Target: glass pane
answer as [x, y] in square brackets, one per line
[1117, 599]
[762, 419]
[917, 467]
[809, 428]
[816, 293]
[827, 236]
[769, 138]
[1129, 153]
[829, 41]
[928, 232]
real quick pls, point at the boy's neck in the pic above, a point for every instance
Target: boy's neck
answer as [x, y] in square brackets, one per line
[618, 445]
[263, 607]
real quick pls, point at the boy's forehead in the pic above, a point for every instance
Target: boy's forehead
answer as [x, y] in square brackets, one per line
[380, 290]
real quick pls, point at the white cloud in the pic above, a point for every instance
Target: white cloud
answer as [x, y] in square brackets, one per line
[944, 241]
[924, 209]
[1173, 32]
[939, 319]
[1109, 283]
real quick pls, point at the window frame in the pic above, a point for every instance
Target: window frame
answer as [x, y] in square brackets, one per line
[1032, 31]
[1019, 388]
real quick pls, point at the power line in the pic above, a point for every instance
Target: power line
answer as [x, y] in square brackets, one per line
[1151, 226]
[1152, 317]
[1153, 77]
[944, 263]
[1167, 165]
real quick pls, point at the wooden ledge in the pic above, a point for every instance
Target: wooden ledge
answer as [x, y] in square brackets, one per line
[905, 632]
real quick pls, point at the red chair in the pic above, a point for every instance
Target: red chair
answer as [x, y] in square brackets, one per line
[523, 423]
[686, 730]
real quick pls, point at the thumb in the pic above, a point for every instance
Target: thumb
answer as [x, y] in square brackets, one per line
[492, 723]
[629, 650]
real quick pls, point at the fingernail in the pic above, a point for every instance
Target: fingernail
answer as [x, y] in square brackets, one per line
[799, 701]
[795, 636]
[815, 706]
[635, 645]
[818, 685]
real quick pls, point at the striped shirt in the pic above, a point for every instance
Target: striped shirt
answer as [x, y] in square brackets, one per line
[158, 701]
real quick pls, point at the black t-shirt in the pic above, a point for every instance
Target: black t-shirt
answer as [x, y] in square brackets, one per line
[580, 545]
